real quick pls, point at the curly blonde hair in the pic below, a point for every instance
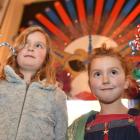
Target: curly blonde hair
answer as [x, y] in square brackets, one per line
[47, 71]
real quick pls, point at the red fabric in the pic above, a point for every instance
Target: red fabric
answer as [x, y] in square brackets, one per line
[109, 117]
[106, 130]
[85, 96]
[137, 122]
[106, 137]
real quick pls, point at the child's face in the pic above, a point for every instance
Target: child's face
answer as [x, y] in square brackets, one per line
[107, 79]
[33, 54]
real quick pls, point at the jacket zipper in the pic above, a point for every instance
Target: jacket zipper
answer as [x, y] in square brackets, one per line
[27, 86]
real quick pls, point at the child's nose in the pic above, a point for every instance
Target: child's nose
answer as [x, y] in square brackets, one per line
[105, 79]
[30, 48]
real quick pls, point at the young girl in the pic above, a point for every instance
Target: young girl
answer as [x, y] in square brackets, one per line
[109, 79]
[31, 106]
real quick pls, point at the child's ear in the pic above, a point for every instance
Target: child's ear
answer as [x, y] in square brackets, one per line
[127, 83]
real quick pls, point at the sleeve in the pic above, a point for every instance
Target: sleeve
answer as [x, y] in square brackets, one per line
[72, 130]
[60, 114]
[76, 130]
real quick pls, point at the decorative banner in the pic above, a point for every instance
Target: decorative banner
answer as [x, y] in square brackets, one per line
[137, 40]
[135, 44]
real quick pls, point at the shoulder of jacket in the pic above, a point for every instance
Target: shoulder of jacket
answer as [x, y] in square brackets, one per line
[59, 93]
[78, 126]
[83, 118]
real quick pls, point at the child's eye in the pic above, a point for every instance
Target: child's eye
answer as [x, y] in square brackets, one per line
[38, 45]
[96, 74]
[114, 72]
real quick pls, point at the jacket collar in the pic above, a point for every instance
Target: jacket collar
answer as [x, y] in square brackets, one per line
[12, 77]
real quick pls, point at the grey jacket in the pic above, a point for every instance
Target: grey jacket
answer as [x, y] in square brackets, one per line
[31, 113]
